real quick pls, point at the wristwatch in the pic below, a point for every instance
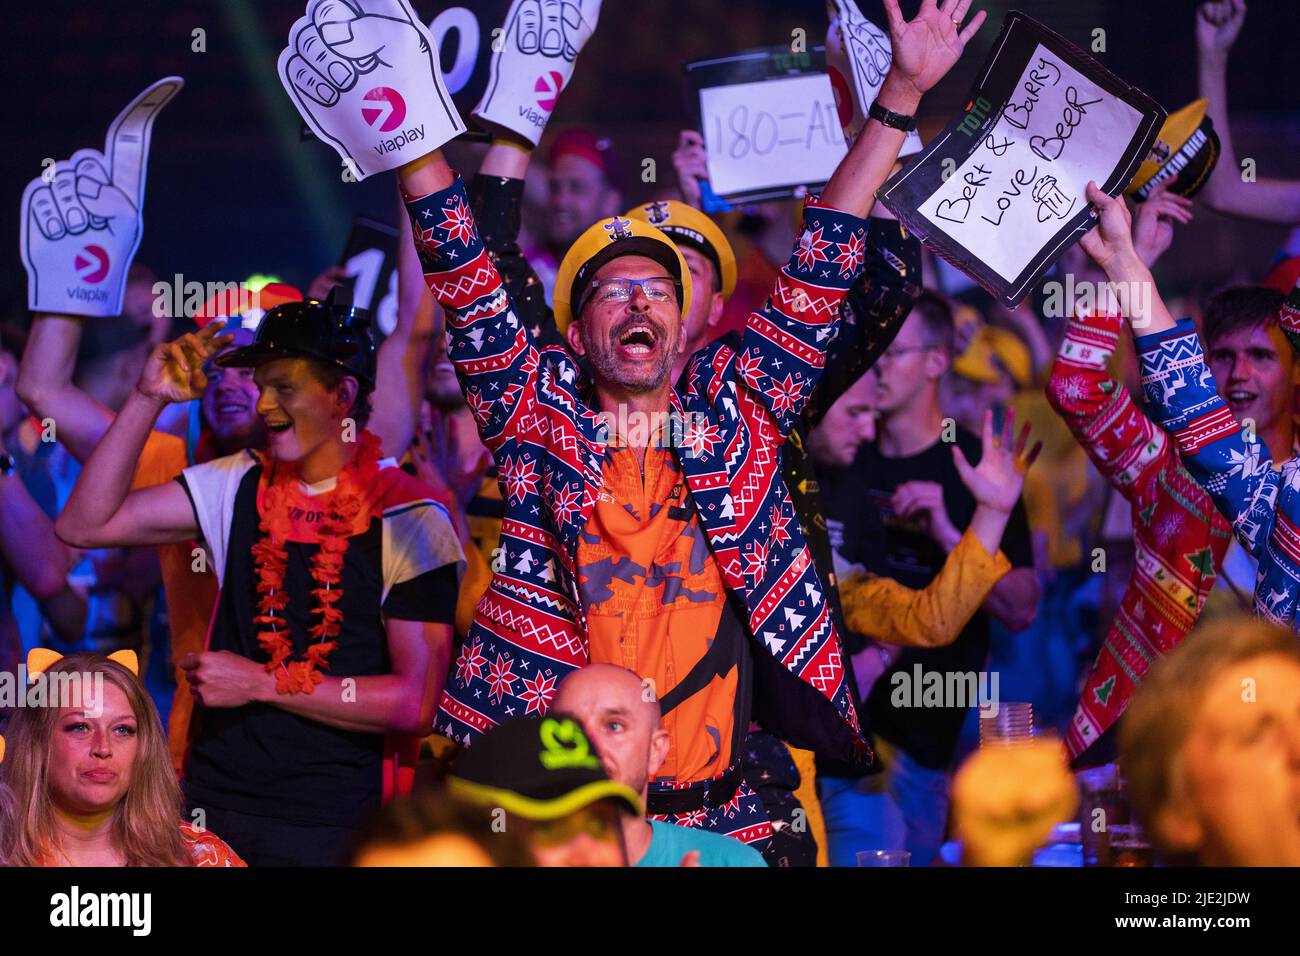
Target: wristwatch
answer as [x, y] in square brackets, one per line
[7, 465]
[890, 118]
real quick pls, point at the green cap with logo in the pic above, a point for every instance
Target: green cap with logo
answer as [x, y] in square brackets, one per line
[537, 768]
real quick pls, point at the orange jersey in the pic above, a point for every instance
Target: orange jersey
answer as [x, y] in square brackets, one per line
[654, 597]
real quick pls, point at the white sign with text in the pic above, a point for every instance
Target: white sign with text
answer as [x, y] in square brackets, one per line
[772, 133]
[1013, 193]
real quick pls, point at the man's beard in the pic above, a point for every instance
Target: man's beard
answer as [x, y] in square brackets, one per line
[607, 370]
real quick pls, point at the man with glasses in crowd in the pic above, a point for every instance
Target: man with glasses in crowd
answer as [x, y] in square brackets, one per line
[915, 510]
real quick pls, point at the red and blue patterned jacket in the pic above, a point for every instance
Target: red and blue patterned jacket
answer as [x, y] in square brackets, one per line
[1229, 462]
[536, 415]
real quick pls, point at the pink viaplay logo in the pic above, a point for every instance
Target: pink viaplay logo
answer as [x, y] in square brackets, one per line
[388, 111]
[91, 264]
[547, 88]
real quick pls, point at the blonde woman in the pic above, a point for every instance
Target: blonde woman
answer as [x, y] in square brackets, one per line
[92, 784]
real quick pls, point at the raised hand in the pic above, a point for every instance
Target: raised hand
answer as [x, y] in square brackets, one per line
[82, 225]
[998, 478]
[365, 77]
[175, 370]
[1217, 26]
[926, 47]
[1111, 240]
[328, 278]
[691, 160]
[858, 58]
[532, 62]
[1153, 225]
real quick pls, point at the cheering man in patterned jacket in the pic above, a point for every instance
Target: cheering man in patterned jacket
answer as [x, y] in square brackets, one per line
[648, 526]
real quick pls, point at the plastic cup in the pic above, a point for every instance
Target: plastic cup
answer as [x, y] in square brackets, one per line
[1013, 723]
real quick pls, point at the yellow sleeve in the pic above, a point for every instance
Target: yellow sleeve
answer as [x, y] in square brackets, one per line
[884, 610]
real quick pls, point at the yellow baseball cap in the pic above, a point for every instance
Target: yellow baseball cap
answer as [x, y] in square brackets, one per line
[1184, 152]
[687, 226]
[607, 240]
[989, 347]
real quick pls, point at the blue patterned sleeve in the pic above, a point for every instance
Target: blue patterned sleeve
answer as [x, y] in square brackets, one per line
[783, 352]
[1228, 460]
[495, 357]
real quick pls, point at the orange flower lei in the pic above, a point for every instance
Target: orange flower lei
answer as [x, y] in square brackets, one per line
[270, 559]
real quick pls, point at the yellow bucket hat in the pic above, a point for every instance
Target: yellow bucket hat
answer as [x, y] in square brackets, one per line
[687, 226]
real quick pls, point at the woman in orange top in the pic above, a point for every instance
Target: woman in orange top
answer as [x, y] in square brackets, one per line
[64, 788]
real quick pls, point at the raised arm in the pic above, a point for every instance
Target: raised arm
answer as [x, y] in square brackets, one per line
[1264, 199]
[45, 384]
[494, 353]
[874, 310]
[784, 347]
[496, 198]
[1122, 442]
[102, 510]
[933, 616]
[400, 364]
[1231, 464]
[1125, 446]
[509, 109]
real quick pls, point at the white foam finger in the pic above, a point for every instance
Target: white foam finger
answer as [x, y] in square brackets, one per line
[45, 213]
[310, 83]
[327, 64]
[71, 210]
[127, 145]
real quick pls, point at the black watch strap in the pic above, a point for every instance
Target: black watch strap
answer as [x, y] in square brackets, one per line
[890, 118]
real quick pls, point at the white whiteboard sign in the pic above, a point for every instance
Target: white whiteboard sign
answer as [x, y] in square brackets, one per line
[1057, 131]
[770, 134]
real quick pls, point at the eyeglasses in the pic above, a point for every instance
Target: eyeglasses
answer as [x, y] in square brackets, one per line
[616, 289]
[894, 351]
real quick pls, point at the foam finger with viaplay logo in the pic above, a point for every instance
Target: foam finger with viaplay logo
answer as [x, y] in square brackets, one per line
[81, 224]
[366, 79]
[532, 63]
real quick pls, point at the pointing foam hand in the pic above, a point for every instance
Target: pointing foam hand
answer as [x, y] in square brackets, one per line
[81, 220]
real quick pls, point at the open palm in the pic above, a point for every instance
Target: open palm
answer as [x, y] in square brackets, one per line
[926, 47]
[998, 478]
